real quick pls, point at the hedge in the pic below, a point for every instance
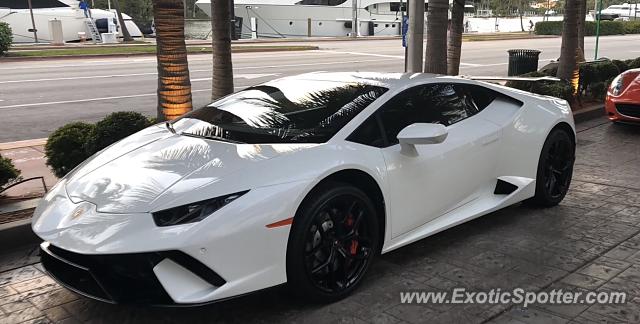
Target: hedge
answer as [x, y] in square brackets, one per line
[67, 147]
[8, 171]
[115, 127]
[595, 78]
[5, 37]
[73, 143]
[632, 27]
[560, 89]
[606, 28]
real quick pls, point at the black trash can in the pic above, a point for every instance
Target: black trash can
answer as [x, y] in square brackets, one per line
[522, 61]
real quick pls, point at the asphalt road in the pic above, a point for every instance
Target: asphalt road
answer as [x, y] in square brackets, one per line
[37, 97]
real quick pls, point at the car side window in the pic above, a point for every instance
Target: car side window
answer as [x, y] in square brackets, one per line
[438, 103]
[369, 133]
[477, 97]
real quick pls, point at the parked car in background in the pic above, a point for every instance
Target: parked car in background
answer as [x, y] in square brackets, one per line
[623, 98]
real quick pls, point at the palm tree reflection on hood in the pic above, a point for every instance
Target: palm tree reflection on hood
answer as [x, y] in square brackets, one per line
[265, 114]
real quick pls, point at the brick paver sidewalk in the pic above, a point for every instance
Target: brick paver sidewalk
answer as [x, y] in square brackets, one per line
[591, 242]
[28, 156]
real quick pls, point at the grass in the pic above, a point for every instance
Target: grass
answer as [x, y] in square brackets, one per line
[149, 49]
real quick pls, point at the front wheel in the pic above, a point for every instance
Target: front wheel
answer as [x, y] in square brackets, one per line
[332, 243]
[555, 169]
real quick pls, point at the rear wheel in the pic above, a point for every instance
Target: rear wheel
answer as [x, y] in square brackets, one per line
[332, 243]
[555, 169]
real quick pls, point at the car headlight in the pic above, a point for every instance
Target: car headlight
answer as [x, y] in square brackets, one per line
[194, 212]
[616, 85]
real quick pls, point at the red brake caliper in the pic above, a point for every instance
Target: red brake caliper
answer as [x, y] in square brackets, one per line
[353, 249]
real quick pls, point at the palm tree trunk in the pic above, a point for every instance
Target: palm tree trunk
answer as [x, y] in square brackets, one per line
[582, 15]
[174, 85]
[567, 67]
[222, 81]
[436, 51]
[125, 32]
[454, 46]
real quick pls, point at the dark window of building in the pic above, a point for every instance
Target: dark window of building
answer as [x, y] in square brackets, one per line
[397, 6]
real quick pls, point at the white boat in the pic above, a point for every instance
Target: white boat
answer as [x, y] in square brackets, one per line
[302, 18]
[16, 14]
[624, 11]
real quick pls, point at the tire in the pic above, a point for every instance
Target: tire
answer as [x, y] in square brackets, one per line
[329, 249]
[555, 169]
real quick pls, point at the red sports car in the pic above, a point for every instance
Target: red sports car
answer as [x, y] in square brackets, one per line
[623, 98]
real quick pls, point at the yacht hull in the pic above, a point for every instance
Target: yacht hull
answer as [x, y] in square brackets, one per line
[73, 22]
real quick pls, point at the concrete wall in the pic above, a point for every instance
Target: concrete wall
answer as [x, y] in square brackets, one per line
[197, 28]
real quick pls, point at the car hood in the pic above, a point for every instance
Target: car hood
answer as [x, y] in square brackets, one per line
[153, 167]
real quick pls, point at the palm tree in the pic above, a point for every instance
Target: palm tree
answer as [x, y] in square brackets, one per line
[568, 67]
[582, 15]
[125, 32]
[436, 52]
[222, 80]
[454, 46]
[174, 85]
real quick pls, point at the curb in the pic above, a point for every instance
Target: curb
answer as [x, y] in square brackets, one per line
[90, 56]
[23, 144]
[16, 234]
[589, 113]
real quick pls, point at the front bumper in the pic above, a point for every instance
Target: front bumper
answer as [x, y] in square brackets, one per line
[109, 256]
[621, 110]
[119, 278]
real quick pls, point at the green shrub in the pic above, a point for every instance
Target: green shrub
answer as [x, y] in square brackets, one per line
[632, 27]
[594, 76]
[622, 65]
[548, 28]
[8, 171]
[598, 90]
[560, 89]
[599, 72]
[5, 37]
[117, 126]
[606, 28]
[66, 148]
[634, 64]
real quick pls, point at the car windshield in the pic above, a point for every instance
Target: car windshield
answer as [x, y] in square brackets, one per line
[284, 111]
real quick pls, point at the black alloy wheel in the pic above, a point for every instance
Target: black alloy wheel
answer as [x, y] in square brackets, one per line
[555, 169]
[332, 243]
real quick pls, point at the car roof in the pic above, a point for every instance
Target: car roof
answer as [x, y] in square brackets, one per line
[388, 80]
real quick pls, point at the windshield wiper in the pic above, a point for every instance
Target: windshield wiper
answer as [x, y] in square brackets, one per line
[170, 127]
[221, 139]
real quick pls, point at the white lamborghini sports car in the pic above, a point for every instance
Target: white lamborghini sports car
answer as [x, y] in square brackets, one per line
[302, 180]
